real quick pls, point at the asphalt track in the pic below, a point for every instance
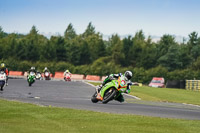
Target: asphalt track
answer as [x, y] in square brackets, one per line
[77, 94]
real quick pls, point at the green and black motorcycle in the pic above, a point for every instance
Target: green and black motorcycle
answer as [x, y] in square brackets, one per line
[110, 91]
[31, 78]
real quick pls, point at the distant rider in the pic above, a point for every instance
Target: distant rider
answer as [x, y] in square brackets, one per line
[46, 70]
[32, 70]
[67, 72]
[127, 75]
[3, 68]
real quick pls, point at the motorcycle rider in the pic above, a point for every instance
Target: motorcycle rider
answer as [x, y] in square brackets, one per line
[127, 75]
[3, 68]
[46, 70]
[67, 72]
[32, 70]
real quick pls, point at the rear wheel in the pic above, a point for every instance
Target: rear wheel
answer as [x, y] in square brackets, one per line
[93, 98]
[109, 95]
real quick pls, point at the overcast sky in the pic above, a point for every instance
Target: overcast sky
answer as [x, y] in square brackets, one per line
[154, 17]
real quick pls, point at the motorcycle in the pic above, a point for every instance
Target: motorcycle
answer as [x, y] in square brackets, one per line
[38, 76]
[67, 77]
[47, 75]
[2, 80]
[110, 91]
[31, 78]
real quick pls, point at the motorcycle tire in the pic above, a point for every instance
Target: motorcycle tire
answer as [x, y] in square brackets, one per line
[29, 84]
[93, 98]
[109, 95]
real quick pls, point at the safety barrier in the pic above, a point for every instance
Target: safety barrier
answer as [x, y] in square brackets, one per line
[15, 73]
[193, 85]
[59, 75]
[92, 77]
[77, 76]
[176, 84]
[25, 74]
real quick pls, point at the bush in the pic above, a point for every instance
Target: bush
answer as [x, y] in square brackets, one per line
[158, 71]
[182, 75]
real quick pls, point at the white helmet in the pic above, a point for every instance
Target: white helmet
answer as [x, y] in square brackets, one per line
[45, 68]
[128, 75]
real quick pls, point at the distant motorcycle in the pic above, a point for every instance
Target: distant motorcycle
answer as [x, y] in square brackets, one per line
[31, 78]
[38, 76]
[67, 77]
[47, 76]
[2, 79]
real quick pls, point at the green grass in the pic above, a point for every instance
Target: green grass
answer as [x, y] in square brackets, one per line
[165, 94]
[16, 117]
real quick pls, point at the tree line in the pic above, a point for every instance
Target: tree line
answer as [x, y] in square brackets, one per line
[89, 53]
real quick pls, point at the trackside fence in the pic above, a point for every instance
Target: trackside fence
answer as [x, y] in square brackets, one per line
[193, 85]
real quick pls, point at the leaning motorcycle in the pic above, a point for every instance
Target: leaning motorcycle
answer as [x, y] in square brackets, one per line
[110, 91]
[31, 78]
[2, 80]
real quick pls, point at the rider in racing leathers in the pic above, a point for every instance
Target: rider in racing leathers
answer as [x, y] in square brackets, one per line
[128, 76]
[3, 68]
[32, 70]
[46, 70]
[67, 72]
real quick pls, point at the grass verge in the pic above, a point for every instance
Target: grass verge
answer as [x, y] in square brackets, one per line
[165, 94]
[19, 117]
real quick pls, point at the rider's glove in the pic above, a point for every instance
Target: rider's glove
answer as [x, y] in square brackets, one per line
[111, 77]
[128, 91]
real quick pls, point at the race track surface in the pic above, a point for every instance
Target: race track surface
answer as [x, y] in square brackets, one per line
[77, 94]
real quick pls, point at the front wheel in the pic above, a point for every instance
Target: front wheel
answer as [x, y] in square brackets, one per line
[93, 98]
[109, 95]
[30, 84]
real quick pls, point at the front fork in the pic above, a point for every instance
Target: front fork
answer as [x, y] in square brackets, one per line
[98, 97]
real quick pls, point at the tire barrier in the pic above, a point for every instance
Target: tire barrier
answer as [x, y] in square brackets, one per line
[93, 77]
[25, 74]
[59, 75]
[176, 84]
[16, 73]
[103, 78]
[77, 76]
[193, 85]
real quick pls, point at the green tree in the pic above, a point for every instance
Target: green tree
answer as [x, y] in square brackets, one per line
[60, 49]
[48, 52]
[194, 45]
[1, 32]
[165, 42]
[70, 32]
[148, 55]
[171, 59]
[90, 30]
[127, 44]
[136, 50]
[32, 51]
[21, 50]
[96, 45]
[116, 49]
